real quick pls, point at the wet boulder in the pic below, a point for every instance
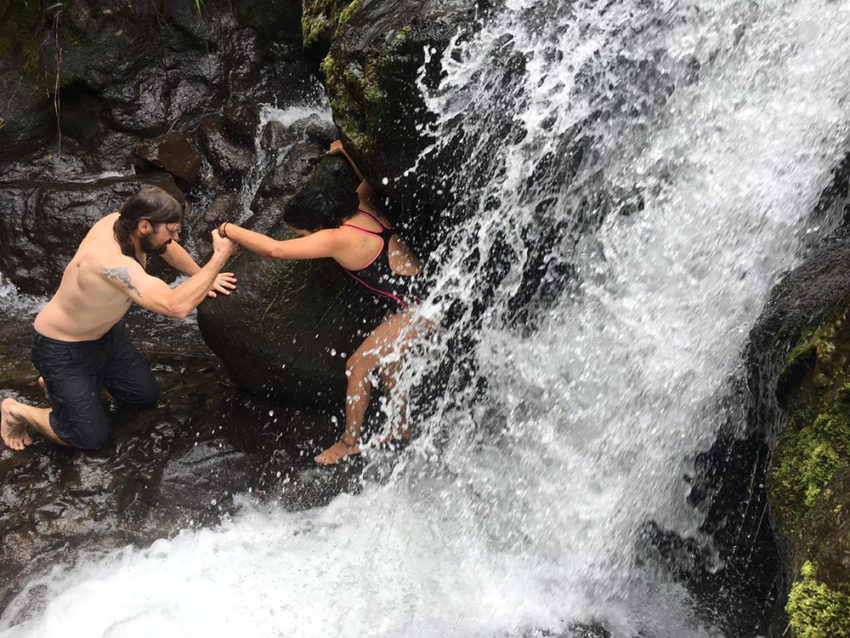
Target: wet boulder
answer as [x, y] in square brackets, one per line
[174, 153]
[288, 329]
[228, 155]
[242, 119]
[135, 71]
[372, 70]
[43, 222]
[799, 358]
[287, 175]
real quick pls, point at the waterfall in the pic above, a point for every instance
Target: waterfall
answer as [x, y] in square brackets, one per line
[628, 180]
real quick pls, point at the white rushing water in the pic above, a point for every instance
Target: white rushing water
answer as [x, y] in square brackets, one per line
[515, 511]
[17, 304]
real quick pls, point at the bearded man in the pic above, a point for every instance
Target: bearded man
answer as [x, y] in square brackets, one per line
[78, 343]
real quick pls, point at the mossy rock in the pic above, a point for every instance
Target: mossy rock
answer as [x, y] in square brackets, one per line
[814, 366]
[319, 22]
[809, 479]
[286, 331]
[814, 445]
[828, 533]
[372, 74]
[20, 23]
[813, 448]
[816, 610]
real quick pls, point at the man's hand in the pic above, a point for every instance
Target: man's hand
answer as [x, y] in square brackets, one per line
[223, 244]
[336, 148]
[224, 283]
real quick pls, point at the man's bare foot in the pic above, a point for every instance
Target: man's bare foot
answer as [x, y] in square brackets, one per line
[13, 426]
[42, 385]
[335, 452]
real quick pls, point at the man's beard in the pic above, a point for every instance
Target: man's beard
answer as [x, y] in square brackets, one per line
[149, 248]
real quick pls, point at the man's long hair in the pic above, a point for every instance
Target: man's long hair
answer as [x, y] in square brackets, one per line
[151, 203]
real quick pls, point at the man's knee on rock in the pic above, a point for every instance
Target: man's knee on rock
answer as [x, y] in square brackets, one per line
[86, 435]
[141, 396]
[148, 395]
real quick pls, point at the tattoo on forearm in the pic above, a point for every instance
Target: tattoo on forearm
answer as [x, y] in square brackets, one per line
[122, 274]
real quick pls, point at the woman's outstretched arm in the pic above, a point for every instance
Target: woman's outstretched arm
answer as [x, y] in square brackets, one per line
[365, 191]
[323, 243]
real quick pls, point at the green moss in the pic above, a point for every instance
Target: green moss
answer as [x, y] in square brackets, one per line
[360, 94]
[814, 366]
[321, 18]
[347, 12]
[810, 452]
[815, 610]
[809, 477]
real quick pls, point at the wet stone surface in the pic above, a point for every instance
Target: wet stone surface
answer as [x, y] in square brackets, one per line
[173, 466]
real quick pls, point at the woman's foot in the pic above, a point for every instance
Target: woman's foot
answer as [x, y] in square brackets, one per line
[13, 425]
[396, 435]
[335, 452]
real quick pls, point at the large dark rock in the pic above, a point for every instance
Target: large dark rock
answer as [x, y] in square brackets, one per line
[371, 74]
[288, 328]
[172, 152]
[43, 222]
[799, 377]
[227, 154]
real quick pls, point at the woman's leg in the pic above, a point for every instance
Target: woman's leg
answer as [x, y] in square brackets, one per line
[389, 380]
[390, 338]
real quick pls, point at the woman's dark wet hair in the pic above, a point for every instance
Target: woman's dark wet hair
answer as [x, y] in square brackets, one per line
[151, 203]
[313, 209]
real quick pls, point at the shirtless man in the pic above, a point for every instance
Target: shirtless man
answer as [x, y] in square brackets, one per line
[79, 344]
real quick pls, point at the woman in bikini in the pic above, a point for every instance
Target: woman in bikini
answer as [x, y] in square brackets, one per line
[348, 228]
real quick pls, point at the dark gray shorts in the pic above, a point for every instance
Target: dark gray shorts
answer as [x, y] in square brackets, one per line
[74, 373]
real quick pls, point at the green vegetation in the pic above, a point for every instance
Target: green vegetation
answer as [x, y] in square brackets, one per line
[812, 364]
[813, 448]
[815, 610]
[347, 12]
[321, 18]
[360, 98]
[809, 477]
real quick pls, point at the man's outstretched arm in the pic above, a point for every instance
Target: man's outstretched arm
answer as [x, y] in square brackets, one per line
[155, 295]
[182, 261]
